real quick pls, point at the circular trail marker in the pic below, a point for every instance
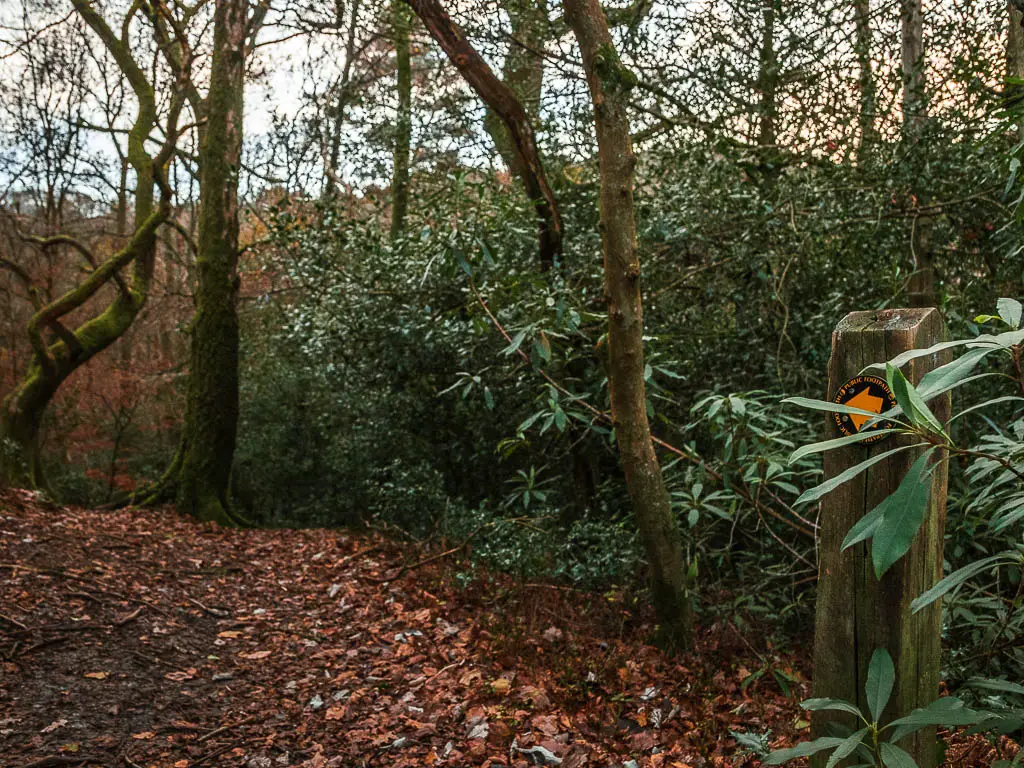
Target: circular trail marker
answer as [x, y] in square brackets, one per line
[866, 393]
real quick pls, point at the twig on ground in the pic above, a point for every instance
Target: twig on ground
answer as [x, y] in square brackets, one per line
[360, 553]
[436, 675]
[215, 753]
[15, 622]
[44, 644]
[130, 617]
[55, 760]
[434, 558]
[219, 613]
[225, 728]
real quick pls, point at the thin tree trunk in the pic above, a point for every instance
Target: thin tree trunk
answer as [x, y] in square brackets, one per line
[921, 289]
[1015, 57]
[865, 79]
[912, 66]
[609, 83]
[768, 80]
[503, 101]
[523, 71]
[340, 105]
[1014, 43]
[401, 21]
[211, 417]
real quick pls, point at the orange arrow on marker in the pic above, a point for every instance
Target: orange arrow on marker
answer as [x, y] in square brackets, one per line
[865, 401]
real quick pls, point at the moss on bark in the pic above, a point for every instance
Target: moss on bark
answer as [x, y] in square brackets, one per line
[25, 407]
[211, 417]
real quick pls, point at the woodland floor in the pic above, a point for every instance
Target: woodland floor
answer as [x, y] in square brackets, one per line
[138, 639]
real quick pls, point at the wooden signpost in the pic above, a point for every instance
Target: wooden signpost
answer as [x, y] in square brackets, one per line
[856, 612]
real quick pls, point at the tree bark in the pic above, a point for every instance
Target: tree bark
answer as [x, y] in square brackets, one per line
[500, 98]
[1014, 42]
[921, 288]
[768, 80]
[523, 71]
[912, 66]
[1015, 56]
[609, 82]
[401, 21]
[211, 417]
[865, 79]
[337, 119]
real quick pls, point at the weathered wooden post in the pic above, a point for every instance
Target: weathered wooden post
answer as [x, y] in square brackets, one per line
[857, 613]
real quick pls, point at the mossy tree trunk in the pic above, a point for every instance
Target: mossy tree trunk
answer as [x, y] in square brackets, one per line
[20, 464]
[67, 349]
[609, 83]
[401, 19]
[211, 417]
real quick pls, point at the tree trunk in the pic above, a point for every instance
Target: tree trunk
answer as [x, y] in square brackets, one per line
[865, 79]
[523, 71]
[211, 416]
[337, 119]
[1015, 56]
[500, 98]
[921, 289]
[912, 65]
[609, 83]
[1014, 44]
[25, 406]
[768, 81]
[401, 21]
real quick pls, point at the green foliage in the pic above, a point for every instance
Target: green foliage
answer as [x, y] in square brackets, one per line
[867, 743]
[422, 365]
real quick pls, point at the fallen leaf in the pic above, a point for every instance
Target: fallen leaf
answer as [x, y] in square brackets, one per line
[255, 655]
[54, 726]
[144, 736]
[230, 634]
[97, 675]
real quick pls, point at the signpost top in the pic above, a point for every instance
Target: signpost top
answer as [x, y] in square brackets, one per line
[887, 320]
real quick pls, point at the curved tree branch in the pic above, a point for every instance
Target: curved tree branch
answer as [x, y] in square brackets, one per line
[504, 103]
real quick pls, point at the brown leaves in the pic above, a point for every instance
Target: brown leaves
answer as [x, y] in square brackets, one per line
[314, 661]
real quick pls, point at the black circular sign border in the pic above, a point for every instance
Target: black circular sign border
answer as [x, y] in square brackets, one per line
[844, 390]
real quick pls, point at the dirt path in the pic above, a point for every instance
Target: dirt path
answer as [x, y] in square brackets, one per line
[134, 638]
